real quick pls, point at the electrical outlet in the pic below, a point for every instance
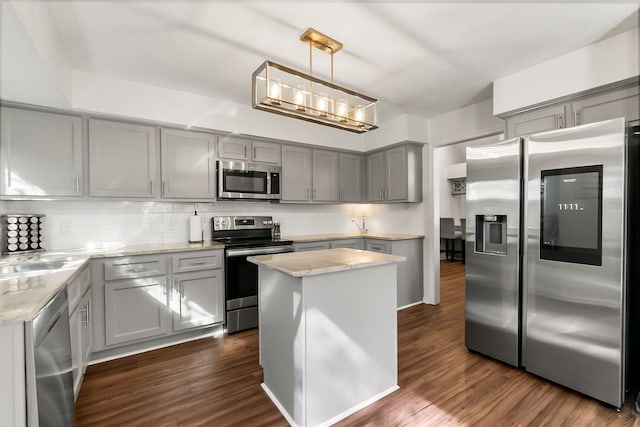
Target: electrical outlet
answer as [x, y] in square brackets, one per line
[172, 224]
[65, 228]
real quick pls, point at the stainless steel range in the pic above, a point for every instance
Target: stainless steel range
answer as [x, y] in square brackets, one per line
[244, 236]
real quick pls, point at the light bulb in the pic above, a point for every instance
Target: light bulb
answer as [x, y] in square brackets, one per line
[342, 108]
[299, 98]
[322, 104]
[274, 91]
[359, 114]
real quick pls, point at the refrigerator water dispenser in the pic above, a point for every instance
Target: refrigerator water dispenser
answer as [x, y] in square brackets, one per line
[491, 235]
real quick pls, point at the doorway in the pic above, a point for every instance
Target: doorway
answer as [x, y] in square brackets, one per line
[449, 193]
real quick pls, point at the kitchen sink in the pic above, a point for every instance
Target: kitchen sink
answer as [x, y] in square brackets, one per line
[37, 263]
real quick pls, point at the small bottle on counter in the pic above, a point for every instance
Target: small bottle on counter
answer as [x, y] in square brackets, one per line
[276, 231]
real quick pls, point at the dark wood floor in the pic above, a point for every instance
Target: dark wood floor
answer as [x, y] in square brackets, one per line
[216, 382]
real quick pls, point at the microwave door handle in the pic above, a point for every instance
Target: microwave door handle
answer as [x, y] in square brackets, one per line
[268, 183]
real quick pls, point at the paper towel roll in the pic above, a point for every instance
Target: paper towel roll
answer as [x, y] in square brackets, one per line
[195, 229]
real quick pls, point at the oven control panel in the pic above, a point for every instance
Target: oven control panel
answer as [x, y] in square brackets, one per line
[241, 222]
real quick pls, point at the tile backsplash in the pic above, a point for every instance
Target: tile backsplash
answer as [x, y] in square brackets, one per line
[74, 224]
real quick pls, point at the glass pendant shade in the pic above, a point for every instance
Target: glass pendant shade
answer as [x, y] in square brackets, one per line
[282, 90]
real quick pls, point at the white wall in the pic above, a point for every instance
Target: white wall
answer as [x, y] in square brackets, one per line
[90, 224]
[465, 123]
[608, 61]
[30, 71]
[405, 127]
[103, 94]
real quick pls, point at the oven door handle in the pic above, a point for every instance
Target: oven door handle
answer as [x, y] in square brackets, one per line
[231, 253]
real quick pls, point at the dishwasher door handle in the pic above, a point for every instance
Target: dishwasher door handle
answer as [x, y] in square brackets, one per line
[232, 253]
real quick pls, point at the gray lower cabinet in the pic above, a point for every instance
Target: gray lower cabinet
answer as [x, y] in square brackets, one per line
[351, 173]
[135, 309]
[79, 294]
[312, 246]
[187, 164]
[41, 154]
[410, 272]
[149, 298]
[197, 299]
[130, 299]
[123, 159]
[296, 174]
[325, 176]
[347, 243]
[382, 246]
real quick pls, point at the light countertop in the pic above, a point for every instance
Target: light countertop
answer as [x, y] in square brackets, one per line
[23, 293]
[29, 281]
[300, 264]
[337, 236]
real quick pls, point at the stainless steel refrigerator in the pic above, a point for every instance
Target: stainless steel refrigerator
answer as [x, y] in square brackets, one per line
[546, 285]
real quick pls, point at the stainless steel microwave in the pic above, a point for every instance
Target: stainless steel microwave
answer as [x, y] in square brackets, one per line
[245, 180]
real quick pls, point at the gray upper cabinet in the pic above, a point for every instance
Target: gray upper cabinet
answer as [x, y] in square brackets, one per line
[395, 174]
[187, 165]
[375, 177]
[540, 120]
[123, 159]
[325, 176]
[266, 152]
[236, 148]
[350, 177]
[604, 105]
[296, 174]
[611, 105]
[41, 154]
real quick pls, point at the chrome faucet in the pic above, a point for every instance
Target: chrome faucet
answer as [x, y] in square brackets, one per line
[361, 229]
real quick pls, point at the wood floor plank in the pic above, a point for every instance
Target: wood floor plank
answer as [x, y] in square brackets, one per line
[216, 382]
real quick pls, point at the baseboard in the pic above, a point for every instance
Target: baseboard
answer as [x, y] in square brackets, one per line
[410, 305]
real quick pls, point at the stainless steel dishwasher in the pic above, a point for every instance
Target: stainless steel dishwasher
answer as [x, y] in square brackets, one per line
[49, 375]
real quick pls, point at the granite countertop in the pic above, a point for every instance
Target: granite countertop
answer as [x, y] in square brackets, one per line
[337, 236]
[153, 248]
[29, 281]
[300, 264]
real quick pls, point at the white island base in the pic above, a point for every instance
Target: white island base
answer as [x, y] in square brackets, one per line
[328, 340]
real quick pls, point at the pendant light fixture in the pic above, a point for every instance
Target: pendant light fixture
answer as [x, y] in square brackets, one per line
[282, 90]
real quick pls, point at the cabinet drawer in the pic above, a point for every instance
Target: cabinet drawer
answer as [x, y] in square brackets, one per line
[132, 267]
[378, 246]
[77, 287]
[312, 246]
[350, 243]
[193, 261]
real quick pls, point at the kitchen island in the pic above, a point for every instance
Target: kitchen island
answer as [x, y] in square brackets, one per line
[328, 331]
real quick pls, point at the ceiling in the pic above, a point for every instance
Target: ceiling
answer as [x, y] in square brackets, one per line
[421, 58]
